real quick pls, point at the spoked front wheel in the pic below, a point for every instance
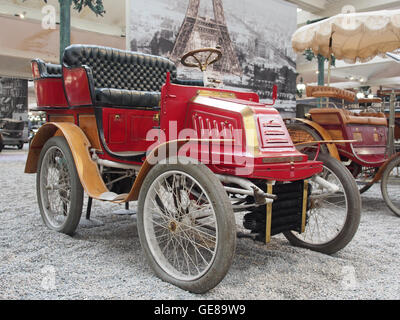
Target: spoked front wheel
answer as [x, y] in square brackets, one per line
[390, 186]
[59, 190]
[334, 210]
[186, 226]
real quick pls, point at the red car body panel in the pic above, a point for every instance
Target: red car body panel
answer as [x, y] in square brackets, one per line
[124, 130]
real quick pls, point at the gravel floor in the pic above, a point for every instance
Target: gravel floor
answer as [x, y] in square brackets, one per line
[105, 261]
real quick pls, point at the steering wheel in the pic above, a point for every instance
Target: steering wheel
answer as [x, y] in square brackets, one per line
[200, 64]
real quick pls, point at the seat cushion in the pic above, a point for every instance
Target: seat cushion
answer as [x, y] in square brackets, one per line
[127, 98]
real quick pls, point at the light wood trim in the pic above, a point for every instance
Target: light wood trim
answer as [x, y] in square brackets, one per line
[333, 151]
[304, 209]
[88, 124]
[268, 220]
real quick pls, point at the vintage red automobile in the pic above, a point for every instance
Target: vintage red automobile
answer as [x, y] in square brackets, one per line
[121, 126]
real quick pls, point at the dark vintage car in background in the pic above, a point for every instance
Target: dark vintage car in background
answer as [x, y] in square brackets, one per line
[12, 132]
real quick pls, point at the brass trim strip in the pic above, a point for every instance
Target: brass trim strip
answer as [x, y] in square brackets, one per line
[283, 159]
[268, 220]
[304, 211]
[216, 94]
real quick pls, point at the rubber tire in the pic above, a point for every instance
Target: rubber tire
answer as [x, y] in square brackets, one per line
[353, 214]
[20, 145]
[75, 211]
[225, 221]
[385, 176]
[365, 188]
[310, 131]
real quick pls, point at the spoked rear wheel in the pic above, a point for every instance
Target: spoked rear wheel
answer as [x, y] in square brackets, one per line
[59, 190]
[390, 186]
[186, 226]
[363, 175]
[333, 217]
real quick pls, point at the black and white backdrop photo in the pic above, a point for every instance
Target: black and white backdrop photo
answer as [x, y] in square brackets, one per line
[255, 43]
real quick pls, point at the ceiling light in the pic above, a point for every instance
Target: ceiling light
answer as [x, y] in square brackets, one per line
[301, 87]
[20, 15]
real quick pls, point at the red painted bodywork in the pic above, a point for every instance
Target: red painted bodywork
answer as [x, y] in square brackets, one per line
[49, 91]
[77, 89]
[274, 141]
[175, 99]
[124, 130]
[371, 151]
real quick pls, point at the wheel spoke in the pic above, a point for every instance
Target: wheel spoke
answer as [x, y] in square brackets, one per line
[178, 211]
[55, 186]
[328, 214]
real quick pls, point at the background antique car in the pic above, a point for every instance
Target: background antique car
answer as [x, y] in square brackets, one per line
[370, 150]
[13, 132]
[101, 105]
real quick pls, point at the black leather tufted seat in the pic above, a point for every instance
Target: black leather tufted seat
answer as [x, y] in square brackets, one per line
[123, 78]
[48, 70]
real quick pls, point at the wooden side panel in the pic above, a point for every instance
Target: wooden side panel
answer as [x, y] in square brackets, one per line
[87, 123]
[336, 134]
[326, 118]
[61, 118]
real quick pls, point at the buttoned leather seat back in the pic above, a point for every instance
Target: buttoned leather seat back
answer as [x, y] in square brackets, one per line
[118, 69]
[120, 77]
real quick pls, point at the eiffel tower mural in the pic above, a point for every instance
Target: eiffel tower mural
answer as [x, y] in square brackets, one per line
[198, 32]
